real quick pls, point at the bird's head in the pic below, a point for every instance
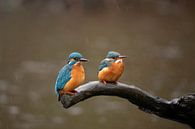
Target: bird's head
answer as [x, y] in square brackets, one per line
[76, 57]
[115, 55]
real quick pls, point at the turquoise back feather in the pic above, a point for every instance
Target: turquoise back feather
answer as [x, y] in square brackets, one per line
[63, 77]
[75, 55]
[112, 54]
[104, 63]
[109, 59]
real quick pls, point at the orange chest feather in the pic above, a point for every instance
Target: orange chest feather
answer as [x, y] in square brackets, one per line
[116, 68]
[112, 73]
[78, 73]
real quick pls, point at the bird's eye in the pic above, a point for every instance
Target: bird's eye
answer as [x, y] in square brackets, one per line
[76, 58]
[114, 58]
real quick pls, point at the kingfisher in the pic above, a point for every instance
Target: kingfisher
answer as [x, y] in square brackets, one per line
[111, 68]
[71, 75]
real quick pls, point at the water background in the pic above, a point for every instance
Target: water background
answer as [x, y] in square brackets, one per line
[158, 36]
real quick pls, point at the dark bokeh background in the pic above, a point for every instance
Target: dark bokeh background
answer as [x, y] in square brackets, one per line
[37, 35]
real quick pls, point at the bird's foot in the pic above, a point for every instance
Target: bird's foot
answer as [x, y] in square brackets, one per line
[67, 92]
[74, 91]
[70, 93]
[104, 82]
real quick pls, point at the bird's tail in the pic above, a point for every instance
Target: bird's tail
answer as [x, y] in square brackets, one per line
[59, 97]
[57, 93]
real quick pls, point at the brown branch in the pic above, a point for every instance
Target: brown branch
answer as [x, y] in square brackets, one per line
[180, 109]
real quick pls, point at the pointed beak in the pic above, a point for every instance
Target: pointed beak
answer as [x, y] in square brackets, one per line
[122, 56]
[83, 60]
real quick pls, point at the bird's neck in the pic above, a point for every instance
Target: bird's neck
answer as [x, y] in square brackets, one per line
[71, 63]
[118, 61]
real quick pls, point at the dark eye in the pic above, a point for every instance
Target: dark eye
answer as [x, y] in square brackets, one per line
[76, 58]
[114, 58]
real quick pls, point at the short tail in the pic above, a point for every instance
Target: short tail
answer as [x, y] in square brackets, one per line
[59, 97]
[57, 93]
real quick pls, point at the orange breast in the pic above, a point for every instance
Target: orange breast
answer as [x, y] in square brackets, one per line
[112, 73]
[77, 77]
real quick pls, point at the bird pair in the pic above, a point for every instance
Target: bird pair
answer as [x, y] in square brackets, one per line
[73, 74]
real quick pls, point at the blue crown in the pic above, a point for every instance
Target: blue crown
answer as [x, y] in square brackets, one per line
[113, 54]
[75, 55]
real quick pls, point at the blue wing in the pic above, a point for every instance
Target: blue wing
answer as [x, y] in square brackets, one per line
[104, 63]
[63, 77]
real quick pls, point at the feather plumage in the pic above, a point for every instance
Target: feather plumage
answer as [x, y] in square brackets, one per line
[63, 77]
[104, 63]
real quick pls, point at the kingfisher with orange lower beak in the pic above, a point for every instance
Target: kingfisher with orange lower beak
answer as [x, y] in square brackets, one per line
[71, 75]
[111, 68]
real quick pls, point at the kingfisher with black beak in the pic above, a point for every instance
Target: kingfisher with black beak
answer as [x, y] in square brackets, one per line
[111, 68]
[71, 75]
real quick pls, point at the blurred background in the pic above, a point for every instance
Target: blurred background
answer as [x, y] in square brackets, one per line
[36, 36]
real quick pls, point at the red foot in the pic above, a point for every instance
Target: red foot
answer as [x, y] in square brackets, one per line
[67, 92]
[104, 82]
[70, 93]
[74, 91]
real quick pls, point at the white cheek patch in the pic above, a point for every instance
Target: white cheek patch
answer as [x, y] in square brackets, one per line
[78, 63]
[119, 61]
[107, 59]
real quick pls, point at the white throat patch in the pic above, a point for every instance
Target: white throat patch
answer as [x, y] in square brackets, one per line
[119, 61]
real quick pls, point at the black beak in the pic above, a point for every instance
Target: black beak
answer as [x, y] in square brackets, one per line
[122, 56]
[83, 60]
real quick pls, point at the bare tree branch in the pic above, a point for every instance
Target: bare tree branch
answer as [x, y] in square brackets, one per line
[181, 109]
